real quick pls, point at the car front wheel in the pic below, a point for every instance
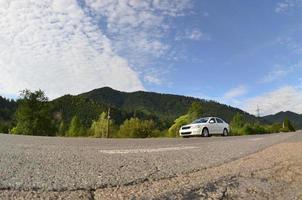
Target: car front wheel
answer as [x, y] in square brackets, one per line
[205, 132]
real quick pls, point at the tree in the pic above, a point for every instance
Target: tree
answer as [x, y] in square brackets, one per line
[33, 114]
[62, 129]
[4, 127]
[287, 125]
[99, 128]
[195, 111]
[137, 128]
[238, 121]
[182, 120]
[76, 128]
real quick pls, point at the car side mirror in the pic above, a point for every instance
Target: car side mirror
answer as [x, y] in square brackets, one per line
[211, 122]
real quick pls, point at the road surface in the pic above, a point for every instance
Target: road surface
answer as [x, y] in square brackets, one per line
[89, 168]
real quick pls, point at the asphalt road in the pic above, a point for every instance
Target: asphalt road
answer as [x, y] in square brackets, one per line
[63, 164]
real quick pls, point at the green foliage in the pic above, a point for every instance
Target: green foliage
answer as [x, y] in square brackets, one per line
[180, 121]
[274, 128]
[248, 129]
[240, 127]
[33, 115]
[54, 118]
[288, 126]
[62, 129]
[7, 110]
[195, 111]
[294, 118]
[4, 127]
[165, 107]
[136, 128]
[100, 126]
[238, 121]
[76, 128]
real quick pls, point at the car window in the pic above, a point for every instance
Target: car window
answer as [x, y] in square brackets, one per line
[212, 120]
[201, 120]
[219, 120]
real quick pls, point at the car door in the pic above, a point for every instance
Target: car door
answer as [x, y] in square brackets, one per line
[220, 125]
[212, 126]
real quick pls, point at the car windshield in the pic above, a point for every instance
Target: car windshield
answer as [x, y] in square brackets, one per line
[201, 120]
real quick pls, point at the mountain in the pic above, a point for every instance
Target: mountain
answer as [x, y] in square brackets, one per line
[166, 107]
[86, 109]
[279, 117]
[162, 108]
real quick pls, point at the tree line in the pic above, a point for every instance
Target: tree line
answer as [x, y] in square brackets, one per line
[34, 116]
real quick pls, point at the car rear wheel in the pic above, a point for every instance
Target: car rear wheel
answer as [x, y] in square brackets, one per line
[205, 132]
[225, 132]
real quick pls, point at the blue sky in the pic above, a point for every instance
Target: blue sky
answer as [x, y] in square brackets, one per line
[242, 53]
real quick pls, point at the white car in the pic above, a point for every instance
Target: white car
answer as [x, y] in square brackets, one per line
[205, 127]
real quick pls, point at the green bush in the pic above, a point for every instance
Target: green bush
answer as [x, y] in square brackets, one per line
[4, 127]
[136, 128]
[76, 128]
[258, 129]
[274, 128]
[99, 127]
[173, 130]
[248, 129]
[288, 126]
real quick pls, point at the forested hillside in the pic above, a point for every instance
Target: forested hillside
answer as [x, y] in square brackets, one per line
[295, 118]
[163, 109]
[87, 109]
[136, 114]
[166, 107]
[7, 110]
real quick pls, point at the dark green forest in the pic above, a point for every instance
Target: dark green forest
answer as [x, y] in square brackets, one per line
[136, 114]
[7, 111]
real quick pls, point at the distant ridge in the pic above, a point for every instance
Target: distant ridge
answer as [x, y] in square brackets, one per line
[162, 108]
[295, 118]
[165, 106]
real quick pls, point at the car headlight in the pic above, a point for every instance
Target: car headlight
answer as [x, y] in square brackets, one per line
[197, 126]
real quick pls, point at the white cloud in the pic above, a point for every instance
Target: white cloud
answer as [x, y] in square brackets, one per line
[286, 5]
[54, 46]
[153, 79]
[286, 98]
[138, 26]
[62, 47]
[280, 72]
[274, 75]
[235, 92]
[292, 43]
[194, 34]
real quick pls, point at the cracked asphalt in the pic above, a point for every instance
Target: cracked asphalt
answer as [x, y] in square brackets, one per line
[88, 168]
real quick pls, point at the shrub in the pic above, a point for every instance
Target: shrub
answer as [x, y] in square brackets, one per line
[288, 126]
[76, 128]
[274, 128]
[248, 129]
[238, 121]
[136, 128]
[173, 130]
[99, 128]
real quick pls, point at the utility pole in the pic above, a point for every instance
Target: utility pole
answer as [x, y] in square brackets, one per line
[258, 111]
[108, 122]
